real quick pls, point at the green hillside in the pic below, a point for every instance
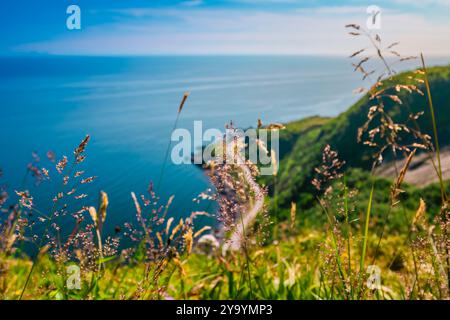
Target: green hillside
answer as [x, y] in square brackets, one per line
[306, 139]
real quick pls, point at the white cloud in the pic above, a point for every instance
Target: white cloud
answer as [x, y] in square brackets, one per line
[334, 10]
[423, 3]
[227, 31]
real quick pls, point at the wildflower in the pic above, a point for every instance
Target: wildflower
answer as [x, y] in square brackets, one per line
[356, 53]
[35, 171]
[99, 217]
[260, 124]
[82, 210]
[176, 229]
[199, 232]
[386, 133]
[395, 191]
[3, 197]
[185, 96]
[45, 172]
[78, 173]
[188, 239]
[79, 159]
[159, 237]
[353, 26]
[275, 126]
[25, 199]
[137, 205]
[420, 213]
[329, 170]
[88, 180]
[61, 165]
[179, 264]
[103, 204]
[81, 148]
[168, 224]
[51, 156]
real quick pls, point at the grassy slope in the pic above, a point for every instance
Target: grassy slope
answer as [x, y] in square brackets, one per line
[297, 166]
[288, 269]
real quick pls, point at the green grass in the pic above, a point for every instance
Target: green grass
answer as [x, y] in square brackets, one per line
[305, 146]
[324, 256]
[288, 270]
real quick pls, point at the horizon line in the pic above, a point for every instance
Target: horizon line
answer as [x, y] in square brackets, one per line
[151, 55]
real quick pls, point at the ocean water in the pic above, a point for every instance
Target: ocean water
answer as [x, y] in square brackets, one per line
[128, 106]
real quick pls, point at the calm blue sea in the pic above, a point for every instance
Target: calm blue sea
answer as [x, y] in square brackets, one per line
[128, 106]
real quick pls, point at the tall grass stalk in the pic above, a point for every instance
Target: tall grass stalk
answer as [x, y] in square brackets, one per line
[180, 108]
[334, 242]
[349, 234]
[42, 239]
[247, 257]
[438, 155]
[435, 133]
[275, 207]
[365, 236]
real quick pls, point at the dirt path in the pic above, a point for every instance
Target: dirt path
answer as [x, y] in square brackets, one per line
[421, 171]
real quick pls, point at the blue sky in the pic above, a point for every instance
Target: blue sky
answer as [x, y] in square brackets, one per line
[139, 27]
